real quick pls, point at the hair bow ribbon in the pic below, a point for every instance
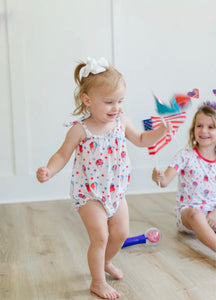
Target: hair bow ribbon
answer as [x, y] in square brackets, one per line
[93, 66]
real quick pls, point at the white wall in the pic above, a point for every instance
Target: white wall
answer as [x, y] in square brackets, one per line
[165, 47]
[161, 46]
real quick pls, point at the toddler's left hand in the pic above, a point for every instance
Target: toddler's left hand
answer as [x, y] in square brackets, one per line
[211, 219]
[167, 125]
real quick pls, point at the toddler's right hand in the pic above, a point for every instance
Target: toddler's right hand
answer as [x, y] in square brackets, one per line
[43, 174]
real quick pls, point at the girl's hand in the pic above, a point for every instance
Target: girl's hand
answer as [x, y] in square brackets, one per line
[43, 174]
[157, 175]
[211, 219]
[166, 125]
[169, 126]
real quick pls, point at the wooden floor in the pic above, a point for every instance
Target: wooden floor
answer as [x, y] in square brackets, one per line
[43, 248]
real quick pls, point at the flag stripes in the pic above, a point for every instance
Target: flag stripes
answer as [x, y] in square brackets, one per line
[175, 120]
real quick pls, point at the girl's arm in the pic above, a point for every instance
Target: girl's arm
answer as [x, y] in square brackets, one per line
[145, 138]
[62, 156]
[164, 178]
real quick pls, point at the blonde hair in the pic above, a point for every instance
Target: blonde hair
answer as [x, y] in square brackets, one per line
[111, 78]
[206, 110]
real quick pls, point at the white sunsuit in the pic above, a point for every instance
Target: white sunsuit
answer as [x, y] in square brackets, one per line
[196, 183]
[101, 169]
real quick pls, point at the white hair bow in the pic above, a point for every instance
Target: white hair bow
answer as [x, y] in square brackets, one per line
[93, 66]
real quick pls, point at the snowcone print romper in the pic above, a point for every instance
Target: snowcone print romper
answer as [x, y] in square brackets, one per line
[101, 169]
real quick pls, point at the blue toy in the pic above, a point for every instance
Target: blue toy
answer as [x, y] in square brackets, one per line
[152, 236]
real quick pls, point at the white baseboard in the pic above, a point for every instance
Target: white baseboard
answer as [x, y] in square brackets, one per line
[28, 189]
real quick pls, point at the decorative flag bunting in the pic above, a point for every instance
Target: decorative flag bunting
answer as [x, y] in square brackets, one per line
[149, 124]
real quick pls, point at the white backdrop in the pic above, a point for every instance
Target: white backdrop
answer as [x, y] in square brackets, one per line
[162, 47]
[165, 47]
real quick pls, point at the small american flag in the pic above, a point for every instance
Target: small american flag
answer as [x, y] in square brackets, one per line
[152, 123]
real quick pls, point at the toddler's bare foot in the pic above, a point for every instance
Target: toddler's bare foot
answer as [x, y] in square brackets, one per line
[104, 290]
[113, 271]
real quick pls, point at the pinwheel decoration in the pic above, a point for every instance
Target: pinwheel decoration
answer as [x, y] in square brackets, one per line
[174, 112]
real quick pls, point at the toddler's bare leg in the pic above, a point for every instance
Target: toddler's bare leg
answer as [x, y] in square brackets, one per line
[118, 227]
[195, 220]
[95, 220]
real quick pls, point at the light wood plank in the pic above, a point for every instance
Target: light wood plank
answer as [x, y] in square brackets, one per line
[43, 249]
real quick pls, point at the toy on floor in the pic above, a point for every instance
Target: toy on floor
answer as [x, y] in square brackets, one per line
[152, 236]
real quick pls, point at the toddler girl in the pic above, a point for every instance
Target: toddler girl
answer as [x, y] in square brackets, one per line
[101, 170]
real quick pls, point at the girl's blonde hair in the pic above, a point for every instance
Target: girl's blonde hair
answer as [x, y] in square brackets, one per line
[206, 110]
[111, 78]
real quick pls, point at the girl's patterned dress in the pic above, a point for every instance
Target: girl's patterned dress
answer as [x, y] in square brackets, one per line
[196, 182]
[101, 169]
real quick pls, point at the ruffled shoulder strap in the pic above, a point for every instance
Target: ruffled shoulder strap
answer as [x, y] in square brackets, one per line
[72, 123]
[81, 122]
[119, 123]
